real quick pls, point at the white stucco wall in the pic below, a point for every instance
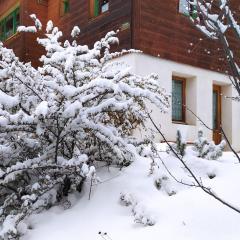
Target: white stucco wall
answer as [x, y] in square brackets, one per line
[199, 88]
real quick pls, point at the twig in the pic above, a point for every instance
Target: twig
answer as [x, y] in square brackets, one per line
[90, 190]
[169, 172]
[221, 130]
[206, 190]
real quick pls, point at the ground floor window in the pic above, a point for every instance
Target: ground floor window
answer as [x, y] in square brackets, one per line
[9, 24]
[178, 99]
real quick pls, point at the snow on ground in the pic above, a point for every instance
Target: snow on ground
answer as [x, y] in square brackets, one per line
[189, 214]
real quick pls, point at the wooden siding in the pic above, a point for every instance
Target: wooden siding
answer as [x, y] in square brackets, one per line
[16, 42]
[153, 26]
[24, 44]
[160, 30]
[95, 28]
[32, 50]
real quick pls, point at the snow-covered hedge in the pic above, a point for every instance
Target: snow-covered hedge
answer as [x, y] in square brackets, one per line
[57, 121]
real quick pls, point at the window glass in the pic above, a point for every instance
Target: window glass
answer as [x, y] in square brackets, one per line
[1, 31]
[184, 7]
[97, 7]
[187, 9]
[105, 6]
[17, 18]
[64, 7]
[177, 100]
[9, 25]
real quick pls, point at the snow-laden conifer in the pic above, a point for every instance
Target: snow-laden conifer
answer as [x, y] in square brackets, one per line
[206, 149]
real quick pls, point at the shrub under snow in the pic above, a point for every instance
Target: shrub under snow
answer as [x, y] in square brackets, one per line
[205, 149]
[139, 212]
[58, 121]
[180, 146]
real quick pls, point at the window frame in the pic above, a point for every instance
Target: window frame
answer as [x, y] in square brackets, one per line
[64, 7]
[95, 8]
[183, 81]
[3, 22]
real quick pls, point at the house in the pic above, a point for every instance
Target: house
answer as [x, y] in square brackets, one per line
[190, 66]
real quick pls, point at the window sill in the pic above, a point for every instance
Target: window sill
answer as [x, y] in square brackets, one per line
[179, 122]
[92, 19]
[184, 123]
[10, 38]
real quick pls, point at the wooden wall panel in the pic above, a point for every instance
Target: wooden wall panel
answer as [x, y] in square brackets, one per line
[24, 44]
[32, 50]
[16, 42]
[153, 26]
[6, 4]
[160, 30]
[93, 29]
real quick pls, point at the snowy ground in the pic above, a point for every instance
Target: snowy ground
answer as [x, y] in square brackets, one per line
[188, 215]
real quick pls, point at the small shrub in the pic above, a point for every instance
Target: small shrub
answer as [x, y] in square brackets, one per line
[138, 210]
[208, 150]
[180, 146]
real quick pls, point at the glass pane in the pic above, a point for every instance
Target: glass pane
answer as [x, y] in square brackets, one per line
[184, 7]
[1, 31]
[9, 26]
[17, 19]
[177, 100]
[215, 111]
[66, 6]
[105, 6]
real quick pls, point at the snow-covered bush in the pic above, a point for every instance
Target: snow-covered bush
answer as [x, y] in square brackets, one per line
[57, 121]
[180, 146]
[208, 150]
[141, 216]
[139, 212]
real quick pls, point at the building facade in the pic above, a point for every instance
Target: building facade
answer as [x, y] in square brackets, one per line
[192, 68]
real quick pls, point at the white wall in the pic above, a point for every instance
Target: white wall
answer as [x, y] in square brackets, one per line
[199, 88]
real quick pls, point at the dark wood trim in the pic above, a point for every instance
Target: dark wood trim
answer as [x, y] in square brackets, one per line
[183, 80]
[217, 137]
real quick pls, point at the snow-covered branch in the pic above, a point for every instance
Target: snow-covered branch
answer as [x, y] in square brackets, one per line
[58, 121]
[216, 20]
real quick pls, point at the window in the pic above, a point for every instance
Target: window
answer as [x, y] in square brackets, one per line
[186, 8]
[97, 7]
[64, 7]
[178, 99]
[9, 25]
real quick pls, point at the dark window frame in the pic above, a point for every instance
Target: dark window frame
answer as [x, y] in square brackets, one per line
[183, 107]
[95, 8]
[64, 7]
[5, 33]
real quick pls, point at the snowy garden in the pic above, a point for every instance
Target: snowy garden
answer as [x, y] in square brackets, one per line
[71, 168]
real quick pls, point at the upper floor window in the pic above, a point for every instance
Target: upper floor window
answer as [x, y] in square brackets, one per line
[98, 7]
[186, 8]
[178, 99]
[64, 7]
[9, 24]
